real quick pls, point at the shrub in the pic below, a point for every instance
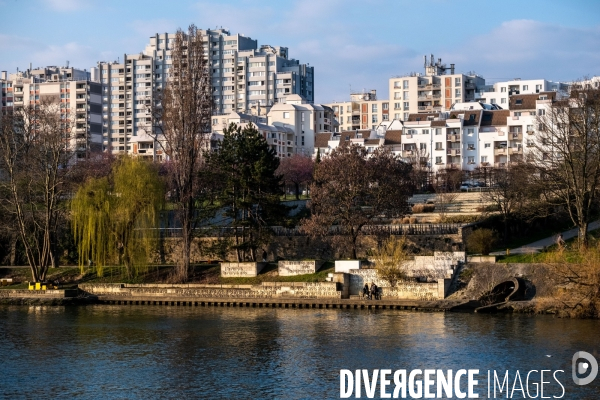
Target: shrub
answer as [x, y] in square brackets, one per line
[412, 220]
[423, 208]
[481, 241]
[390, 260]
[462, 219]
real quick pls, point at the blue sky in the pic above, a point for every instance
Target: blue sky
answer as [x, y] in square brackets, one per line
[353, 45]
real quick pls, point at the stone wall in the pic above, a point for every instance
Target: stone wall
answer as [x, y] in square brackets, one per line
[38, 294]
[404, 290]
[241, 270]
[303, 290]
[303, 247]
[292, 268]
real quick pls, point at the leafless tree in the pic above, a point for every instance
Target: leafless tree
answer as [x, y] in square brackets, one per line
[35, 153]
[351, 191]
[183, 129]
[566, 154]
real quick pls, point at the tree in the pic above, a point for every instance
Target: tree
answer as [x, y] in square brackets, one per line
[297, 170]
[390, 260]
[566, 154]
[183, 128]
[481, 241]
[115, 218]
[250, 188]
[351, 191]
[510, 192]
[35, 153]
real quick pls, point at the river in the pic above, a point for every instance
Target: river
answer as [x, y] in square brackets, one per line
[143, 352]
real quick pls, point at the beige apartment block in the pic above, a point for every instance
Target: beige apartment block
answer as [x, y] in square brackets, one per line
[77, 98]
[435, 91]
[363, 111]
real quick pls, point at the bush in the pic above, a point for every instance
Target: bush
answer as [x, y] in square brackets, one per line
[423, 208]
[412, 220]
[481, 241]
[462, 219]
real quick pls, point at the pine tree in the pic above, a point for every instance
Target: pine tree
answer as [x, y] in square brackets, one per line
[250, 188]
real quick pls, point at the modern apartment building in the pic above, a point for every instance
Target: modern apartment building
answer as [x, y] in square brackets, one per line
[305, 119]
[245, 78]
[363, 111]
[500, 92]
[77, 98]
[435, 91]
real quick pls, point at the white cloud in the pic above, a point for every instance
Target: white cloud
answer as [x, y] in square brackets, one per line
[65, 5]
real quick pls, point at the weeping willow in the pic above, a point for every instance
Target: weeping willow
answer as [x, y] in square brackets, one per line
[115, 218]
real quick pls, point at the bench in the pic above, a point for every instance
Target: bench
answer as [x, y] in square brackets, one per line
[6, 281]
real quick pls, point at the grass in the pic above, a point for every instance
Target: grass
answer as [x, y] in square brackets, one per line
[201, 273]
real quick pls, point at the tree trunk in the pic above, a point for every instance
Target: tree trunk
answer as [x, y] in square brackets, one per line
[583, 235]
[297, 187]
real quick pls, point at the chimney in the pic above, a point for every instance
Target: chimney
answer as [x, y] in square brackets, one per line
[451, 69]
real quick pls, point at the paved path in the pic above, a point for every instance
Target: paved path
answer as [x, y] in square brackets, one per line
[536, 247]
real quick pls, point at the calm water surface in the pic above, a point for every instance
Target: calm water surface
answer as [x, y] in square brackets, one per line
[141, 352]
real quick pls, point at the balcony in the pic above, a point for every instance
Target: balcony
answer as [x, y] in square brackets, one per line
[500, 165]
[515, 150]
[453, 138]
[500, 151]
[530, 132]
[516, 136]
[453, 152]
[485, 164]
[408, 153]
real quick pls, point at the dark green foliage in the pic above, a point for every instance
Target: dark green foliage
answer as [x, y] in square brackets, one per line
[245, 167]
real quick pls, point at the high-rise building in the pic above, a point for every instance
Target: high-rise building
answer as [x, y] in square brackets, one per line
[245, 78]
[77, 98]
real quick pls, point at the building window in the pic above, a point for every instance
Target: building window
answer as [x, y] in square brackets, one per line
[385, 106]
[406, 106]
[397, 95]
[438, 160]
[423, 146]
[405, 96]
[487, 145]
[541, 111]
[438, 145]
[438, 131]
[286, 115]
[405, 84]
[374, 108]
[503, 89]
[483, 159]
[470, 146]
[425, 132]
[503, 100]
[525, 87]
[374, 118]
[456, 92]
[471, 159]
[406, 116]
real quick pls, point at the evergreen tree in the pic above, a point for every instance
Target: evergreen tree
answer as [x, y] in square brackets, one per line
[250, 189]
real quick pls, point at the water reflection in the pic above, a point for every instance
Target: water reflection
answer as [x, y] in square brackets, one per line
[195, 352]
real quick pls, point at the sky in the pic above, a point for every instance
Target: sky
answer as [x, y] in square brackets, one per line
[353, 45]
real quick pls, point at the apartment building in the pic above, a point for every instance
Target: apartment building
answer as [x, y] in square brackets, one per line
[279, 137]
[434, 91]
[370, 139]
[363, 111]
[500, 92]
[306, 120]
[71, 89]
[245, 78]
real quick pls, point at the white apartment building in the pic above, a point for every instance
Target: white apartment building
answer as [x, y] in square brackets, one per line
[77, 98]
[363, 111]
[500, 92]
[435, 91]
[245, 79]
[279, 137]
[306, 120]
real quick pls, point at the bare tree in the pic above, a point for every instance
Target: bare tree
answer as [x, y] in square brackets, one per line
[510, 192]
[183, 129]
[35, 149]
[567, 154]
[351, 191]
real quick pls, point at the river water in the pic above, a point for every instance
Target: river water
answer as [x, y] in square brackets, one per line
[142, 352]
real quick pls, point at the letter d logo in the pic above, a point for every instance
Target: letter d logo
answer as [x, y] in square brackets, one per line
[583, 367]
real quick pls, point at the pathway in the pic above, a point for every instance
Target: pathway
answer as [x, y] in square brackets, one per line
[536, 247]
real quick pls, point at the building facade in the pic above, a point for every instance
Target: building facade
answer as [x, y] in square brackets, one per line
[76, 97]
[363, 111]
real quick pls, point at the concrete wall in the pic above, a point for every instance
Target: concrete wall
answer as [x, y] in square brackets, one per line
[304, 290]
[403, 290]
[291, 268]
[38, 294]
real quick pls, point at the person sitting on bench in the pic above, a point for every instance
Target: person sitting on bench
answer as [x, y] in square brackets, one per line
[365, 291]
[374, 293]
